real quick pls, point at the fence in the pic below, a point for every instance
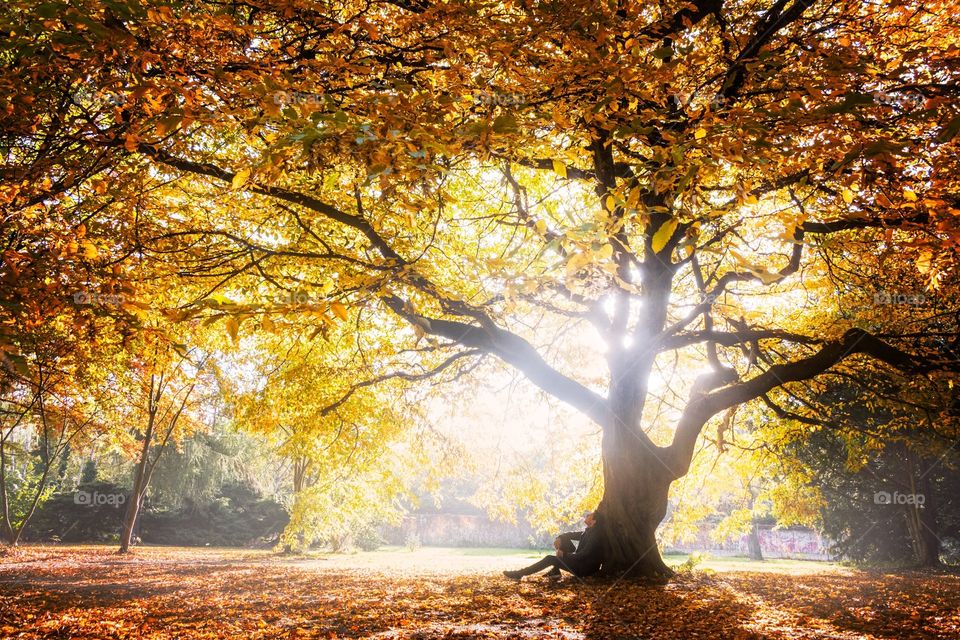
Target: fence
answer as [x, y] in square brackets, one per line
[798, 543]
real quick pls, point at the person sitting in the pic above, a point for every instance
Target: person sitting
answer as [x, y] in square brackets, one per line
[581, 561]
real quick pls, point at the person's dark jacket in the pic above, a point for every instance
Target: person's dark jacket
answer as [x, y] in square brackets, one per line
[588, 557]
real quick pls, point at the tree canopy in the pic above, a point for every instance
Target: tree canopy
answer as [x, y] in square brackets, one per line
[654, 212]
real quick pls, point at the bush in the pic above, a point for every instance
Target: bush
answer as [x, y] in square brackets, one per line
[92, 513]
[237, 517]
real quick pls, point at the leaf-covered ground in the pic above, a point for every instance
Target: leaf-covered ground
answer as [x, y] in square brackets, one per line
[88, 592]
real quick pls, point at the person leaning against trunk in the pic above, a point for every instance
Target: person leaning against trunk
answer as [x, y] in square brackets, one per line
[582, 560]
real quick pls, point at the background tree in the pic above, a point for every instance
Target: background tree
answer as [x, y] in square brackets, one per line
[165, 382]
[341, 443]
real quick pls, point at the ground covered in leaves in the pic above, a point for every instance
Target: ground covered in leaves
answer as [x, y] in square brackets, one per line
[89, 592]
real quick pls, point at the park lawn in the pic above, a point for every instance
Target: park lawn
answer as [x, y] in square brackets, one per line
[88, 592]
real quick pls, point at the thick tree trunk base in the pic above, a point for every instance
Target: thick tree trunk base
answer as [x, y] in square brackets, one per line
[636, 484]
[650, 569]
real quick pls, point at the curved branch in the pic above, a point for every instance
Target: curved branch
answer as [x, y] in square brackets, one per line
[733, 338]
[403, 375]
[704, 403]
[515, 351]
[355, 221]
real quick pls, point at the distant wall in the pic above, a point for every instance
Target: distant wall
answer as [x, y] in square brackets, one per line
[456, 530]
[463, 530]
[799, 543]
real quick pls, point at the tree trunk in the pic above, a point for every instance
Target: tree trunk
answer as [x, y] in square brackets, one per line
[636, 472]
[921, 514]
[927, 542]
[754, 551]
[636, 483]
[139, 482]
[8, 534]
[133, 510]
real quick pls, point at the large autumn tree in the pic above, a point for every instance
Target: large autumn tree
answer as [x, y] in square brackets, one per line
[522, 180]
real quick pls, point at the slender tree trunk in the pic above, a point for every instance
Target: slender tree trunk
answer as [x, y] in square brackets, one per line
[922, 519]
[133, 509]
[8, 534]
[11, 536]
[139, 477]
[754, 551]
[47, 461]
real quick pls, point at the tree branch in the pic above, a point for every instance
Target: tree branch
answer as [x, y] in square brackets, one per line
[705, 403]
[513, 350]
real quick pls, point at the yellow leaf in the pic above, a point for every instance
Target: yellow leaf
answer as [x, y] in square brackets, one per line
[339, 310]
[575, 262]
[233, 328]
[240, 178]
[541, 226]
[910, 195]
[847, 196]
[267, 324]
[924, 260]
[751, 199]
[700, 133]
[90, 251]
[560, 168]
[610, 203]
[605, 252]
[663, 235]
